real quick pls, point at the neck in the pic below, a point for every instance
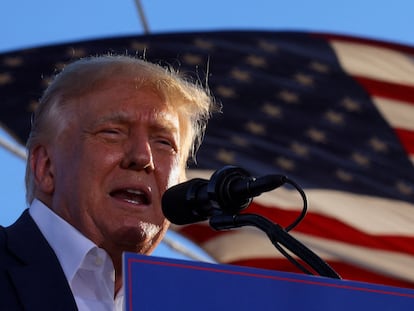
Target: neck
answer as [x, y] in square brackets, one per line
[117, 262]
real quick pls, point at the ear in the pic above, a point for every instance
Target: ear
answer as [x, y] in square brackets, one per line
[41, 166]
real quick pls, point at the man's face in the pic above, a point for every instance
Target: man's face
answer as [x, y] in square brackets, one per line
[111, 165]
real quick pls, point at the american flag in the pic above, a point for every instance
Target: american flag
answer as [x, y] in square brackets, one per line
[333, 113]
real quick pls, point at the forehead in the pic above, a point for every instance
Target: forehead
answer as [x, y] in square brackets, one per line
[124, 100]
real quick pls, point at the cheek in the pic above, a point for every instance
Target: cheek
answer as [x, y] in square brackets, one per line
[176, 174]
[96, 155]
[169, 175]
[89, 166]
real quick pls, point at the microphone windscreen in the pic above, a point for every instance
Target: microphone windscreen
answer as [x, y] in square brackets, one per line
[181, 202]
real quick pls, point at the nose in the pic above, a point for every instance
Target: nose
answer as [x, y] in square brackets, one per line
[138, 156]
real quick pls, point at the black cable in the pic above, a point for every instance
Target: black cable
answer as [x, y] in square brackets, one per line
[294, 223]
[273, 181]
[304, 208]
[230, 218]
[292, 260]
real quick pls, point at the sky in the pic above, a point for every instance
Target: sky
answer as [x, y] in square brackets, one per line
[28, 23]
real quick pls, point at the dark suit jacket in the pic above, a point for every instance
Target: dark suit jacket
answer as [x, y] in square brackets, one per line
[31, 277]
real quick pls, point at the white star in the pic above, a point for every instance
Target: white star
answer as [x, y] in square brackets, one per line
[285, 164]
[304, 79]
[299, 149]
[225, 92]
[239, 141]
[226, 156]
[268, 46]
[350, 104]
[203, 44]
[319, 67]
[288, 97]
[192, 59]
[139, 46]
[272, 110]
[13, 61]
[403, 188]
[378, 145]
[360, 159]
[255, 128]
[76, 53]
[316, 135]
[240, 75]
[334, 117]
[256, 61]
[344, 176]
[6, 78]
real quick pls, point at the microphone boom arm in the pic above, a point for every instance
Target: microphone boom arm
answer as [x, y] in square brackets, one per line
[222, 198]
[276, 235]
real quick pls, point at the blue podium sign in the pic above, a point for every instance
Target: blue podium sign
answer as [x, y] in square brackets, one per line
[153, 283]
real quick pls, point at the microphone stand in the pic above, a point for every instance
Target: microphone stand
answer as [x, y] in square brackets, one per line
[276, 234]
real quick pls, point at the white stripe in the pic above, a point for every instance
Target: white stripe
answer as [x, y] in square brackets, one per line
[368, 214]
[411, 157]
[372, 215]
[375, 62]
[397, 113]
[248, 243]
[380, 261]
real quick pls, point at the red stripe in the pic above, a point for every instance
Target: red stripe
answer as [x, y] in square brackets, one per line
[400, 92]
[368, 41]
[333, 229]
[407, 139]
[346, 271]
[199, 233]
[314, 224]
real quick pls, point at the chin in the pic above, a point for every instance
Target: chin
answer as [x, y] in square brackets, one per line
[141, 238]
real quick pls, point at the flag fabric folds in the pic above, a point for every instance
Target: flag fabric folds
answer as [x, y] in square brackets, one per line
[333, 113]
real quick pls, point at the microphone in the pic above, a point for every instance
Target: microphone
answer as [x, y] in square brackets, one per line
[229, 190]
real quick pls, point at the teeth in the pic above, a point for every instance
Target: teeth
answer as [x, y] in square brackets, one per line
[131, 201]
[133, 191]
[131, 195]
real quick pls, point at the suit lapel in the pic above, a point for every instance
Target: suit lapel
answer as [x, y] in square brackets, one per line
[39, 279]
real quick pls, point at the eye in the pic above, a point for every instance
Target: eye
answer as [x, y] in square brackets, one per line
[111, 131]
[165, 143]
[111, 134]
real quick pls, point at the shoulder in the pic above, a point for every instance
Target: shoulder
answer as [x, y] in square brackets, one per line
[2, 232]
[2, 237]
[3, 240]
[19, 232]
[24, 256]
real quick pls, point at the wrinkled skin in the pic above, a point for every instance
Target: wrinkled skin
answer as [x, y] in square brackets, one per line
[106, 171]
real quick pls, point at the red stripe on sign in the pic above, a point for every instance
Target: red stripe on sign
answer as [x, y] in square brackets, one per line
[400, 92]
[407, 139]
[346, 271]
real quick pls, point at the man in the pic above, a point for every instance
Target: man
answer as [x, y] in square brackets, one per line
[109, 136]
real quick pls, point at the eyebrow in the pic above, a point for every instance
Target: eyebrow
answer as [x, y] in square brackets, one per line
[122, 118]
[118, 117]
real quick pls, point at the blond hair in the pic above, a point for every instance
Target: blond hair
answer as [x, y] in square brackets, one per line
[192, 99]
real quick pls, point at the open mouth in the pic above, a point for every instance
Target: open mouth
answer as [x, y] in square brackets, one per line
[133, 196]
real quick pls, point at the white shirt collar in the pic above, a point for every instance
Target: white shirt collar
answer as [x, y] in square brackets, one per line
[58, 232]
[88, 269]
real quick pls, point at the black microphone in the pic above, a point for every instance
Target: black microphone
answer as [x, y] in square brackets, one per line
[229, 190]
